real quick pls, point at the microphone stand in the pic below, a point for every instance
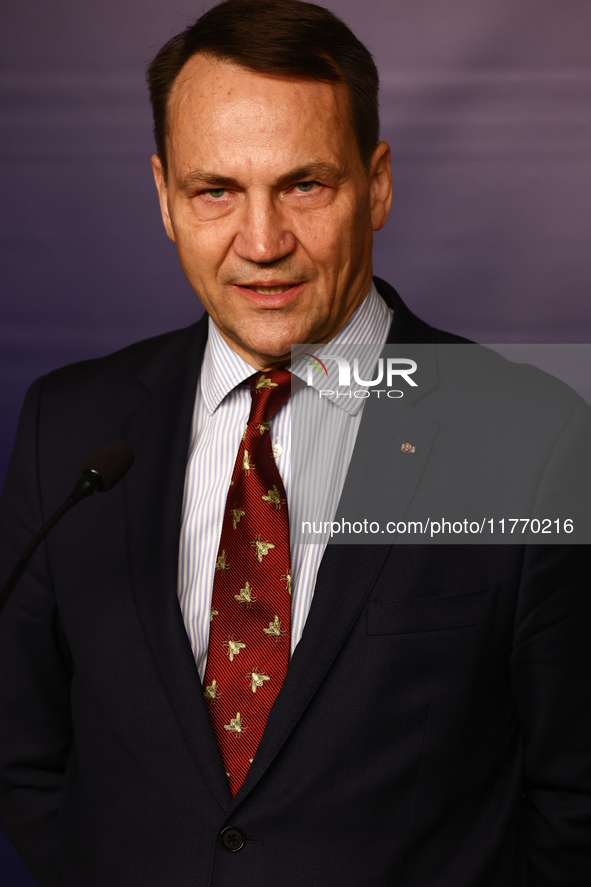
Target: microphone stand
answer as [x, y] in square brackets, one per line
[85, 486]
[100, 472]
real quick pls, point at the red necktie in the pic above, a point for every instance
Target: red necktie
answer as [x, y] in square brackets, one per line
[249, 639]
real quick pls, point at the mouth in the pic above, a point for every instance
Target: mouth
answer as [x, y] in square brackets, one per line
[270, 290]
[277, 296]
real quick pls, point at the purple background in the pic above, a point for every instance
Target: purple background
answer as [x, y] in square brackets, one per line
[486, 104]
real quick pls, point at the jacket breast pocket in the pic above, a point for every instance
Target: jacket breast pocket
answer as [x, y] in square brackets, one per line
[430, 614]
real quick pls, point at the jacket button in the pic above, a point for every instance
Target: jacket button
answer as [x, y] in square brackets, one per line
[232, 839]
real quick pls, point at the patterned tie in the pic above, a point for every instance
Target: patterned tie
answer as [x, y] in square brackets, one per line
[249, 639]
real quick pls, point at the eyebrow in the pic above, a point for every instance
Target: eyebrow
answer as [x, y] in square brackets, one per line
[318, 170]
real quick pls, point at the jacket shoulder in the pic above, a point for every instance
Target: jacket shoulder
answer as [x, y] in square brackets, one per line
[84, 404]
[168, 350]
[407, 328]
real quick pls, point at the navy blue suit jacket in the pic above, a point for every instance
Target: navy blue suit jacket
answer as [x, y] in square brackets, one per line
[434, 728]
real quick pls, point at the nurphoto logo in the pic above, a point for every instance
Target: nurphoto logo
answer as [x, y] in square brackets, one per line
[396, 368]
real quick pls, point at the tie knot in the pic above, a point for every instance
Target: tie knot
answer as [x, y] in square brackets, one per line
[269, 392]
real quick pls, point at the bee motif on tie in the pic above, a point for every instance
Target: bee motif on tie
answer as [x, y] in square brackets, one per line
[212, 614]
[247, 465]
[235, 725]
[287, 579]
[234, 647]
[211, 692]
[222, 563]
[264, 382]
[262, 548]
[257, 680]
[246, 596]
[274, 496]
[236, 513]
[264, 426]
[274, 630]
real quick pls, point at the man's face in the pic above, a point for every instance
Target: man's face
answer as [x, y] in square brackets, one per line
[269, 206]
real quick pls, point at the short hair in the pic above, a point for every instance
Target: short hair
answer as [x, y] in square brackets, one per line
[281, 37]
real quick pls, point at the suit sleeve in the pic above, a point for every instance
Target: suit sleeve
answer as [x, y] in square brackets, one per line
[551, 679]
[35, 734]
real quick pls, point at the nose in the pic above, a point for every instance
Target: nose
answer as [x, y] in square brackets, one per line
[263, 235]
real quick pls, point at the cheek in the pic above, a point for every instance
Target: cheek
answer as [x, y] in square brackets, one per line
[202, 247]
[328, 236]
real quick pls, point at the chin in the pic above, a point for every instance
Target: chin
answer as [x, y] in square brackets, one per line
[276, 344]
[272, 350]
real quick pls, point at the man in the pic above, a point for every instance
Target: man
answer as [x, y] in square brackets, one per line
[427, 726]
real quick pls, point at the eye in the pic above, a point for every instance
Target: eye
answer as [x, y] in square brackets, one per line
[216, 193]
[305, 187]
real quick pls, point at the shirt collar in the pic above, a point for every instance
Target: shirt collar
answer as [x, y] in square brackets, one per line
[223, 369]
[364, 336]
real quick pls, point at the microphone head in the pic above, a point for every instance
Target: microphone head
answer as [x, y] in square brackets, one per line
[110, 463]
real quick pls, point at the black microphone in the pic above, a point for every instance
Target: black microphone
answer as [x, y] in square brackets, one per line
[101, 472]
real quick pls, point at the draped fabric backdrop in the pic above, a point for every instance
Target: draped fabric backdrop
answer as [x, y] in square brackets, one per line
[486, 104]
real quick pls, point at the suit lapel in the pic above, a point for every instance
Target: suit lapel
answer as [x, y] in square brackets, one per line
[383, 477]
[159, 433]
[346, 577]
[384, 432]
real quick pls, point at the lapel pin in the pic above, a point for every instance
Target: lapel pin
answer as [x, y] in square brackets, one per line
[407, 448]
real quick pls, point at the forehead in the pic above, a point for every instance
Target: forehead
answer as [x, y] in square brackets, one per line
[222, 113]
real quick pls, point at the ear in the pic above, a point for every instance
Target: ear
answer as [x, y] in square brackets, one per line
[380, 185]
[162, 189]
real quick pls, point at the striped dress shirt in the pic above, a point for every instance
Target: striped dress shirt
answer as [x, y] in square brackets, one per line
[222, 407]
